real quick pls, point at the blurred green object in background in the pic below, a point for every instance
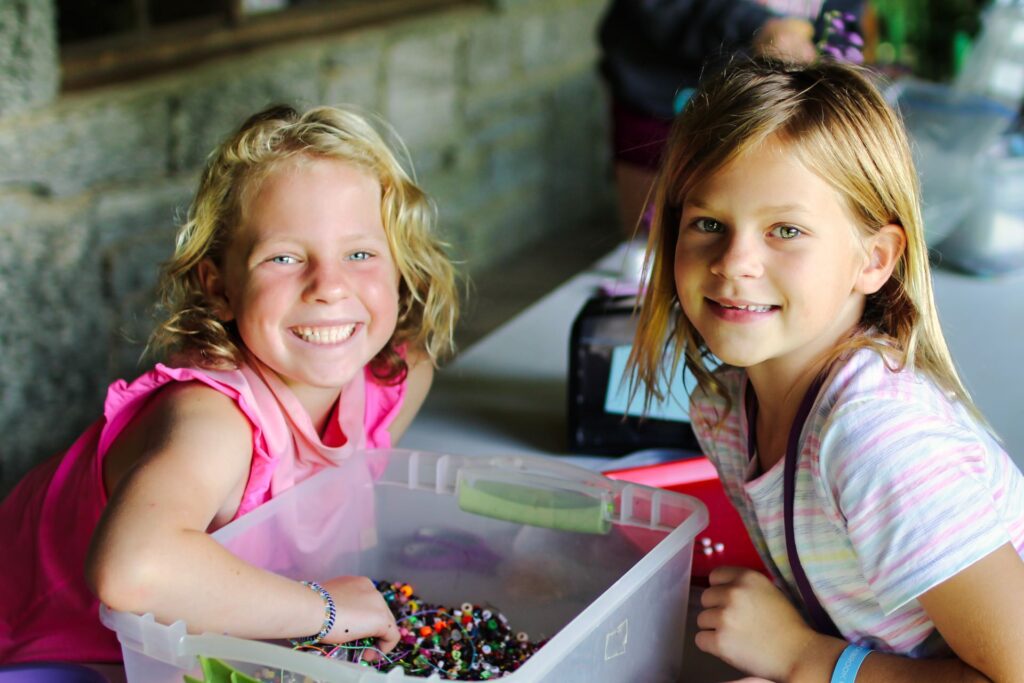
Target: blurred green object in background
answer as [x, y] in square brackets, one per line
[928, 38]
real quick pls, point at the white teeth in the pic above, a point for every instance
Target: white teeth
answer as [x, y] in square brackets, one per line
[325, 335]
[756, 309]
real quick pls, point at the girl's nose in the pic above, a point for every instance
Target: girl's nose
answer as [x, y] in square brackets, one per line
[739, 256]
[327, 283]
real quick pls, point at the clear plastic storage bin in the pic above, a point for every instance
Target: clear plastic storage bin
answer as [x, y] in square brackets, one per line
[600, 567]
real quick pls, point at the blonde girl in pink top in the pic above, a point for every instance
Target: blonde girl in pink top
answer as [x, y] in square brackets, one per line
[789, 256]
[305, 306]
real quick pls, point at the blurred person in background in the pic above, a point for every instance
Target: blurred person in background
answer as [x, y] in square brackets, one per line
[654, 53]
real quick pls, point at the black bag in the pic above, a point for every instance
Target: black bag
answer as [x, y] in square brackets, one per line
[600, 421]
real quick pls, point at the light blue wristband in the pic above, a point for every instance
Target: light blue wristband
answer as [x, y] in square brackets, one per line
[849, 664]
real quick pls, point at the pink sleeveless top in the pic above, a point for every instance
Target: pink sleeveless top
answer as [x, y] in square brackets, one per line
[46, 610]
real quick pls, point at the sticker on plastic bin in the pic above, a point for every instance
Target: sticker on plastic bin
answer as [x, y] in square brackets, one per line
[615, 641]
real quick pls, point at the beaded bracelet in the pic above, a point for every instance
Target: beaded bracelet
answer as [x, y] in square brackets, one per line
[329, 614]
[849, 663]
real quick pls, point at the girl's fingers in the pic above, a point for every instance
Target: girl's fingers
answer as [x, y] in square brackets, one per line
[712, 597]
[707, 641]
[709, 619]
[721, 575]
[389, 639]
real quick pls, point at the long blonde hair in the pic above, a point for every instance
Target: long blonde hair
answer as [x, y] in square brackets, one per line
[428, 299]
[838, 124]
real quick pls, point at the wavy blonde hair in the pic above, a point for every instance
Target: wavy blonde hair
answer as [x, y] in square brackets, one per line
[836, 122]
[428, 299]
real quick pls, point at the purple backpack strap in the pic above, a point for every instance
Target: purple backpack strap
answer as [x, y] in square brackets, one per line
[820, 620]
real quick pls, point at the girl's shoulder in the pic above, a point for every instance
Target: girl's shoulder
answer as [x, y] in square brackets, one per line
[872, 412]
[125, 399]
[122, 393]
[871, 376]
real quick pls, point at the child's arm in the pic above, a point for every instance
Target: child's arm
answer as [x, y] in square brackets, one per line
[748, 623]
[418, 381]
[185, 461]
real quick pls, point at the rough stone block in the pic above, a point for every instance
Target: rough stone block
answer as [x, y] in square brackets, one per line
[352, 72]
[561, 35]
[421, 90]
[29, 72]
[214, 101]
[518, 161]
[136, 231]
[580, 119]
[53, 367]
[493, 52]
[126, 211]
[131, 324]
[504, 225]
[86, 141]
[132, 265]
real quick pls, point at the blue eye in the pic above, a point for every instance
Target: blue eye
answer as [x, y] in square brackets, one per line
[786, 232]
[709, 225]
[360, 256]
[283, 259]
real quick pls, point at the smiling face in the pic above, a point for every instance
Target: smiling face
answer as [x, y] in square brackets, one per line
[769, 262]
[308, 277]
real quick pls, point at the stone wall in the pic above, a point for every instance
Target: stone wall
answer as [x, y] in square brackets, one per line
[499, 104]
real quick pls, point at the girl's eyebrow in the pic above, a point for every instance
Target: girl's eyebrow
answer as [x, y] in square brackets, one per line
[260, 242]
[784, 208]
[699, 203]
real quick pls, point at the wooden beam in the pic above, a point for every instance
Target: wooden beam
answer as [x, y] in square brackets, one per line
[161, 49]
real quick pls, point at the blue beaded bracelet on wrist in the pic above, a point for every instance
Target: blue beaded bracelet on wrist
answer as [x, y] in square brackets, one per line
[849, 663]
[329, 614]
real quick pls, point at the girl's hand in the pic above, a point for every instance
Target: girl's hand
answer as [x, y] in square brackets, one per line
[361, 613]
[749, 624]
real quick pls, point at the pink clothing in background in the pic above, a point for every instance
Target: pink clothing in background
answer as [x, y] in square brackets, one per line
[46, 610]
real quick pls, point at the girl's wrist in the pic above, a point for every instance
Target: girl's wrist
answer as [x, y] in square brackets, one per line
[816, 660]
[329, 615]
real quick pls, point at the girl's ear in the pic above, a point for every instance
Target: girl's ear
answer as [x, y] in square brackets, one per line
[884, 250]
[212, 282]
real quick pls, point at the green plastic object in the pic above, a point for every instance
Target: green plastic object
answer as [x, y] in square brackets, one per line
[216, 671]
[552, 508]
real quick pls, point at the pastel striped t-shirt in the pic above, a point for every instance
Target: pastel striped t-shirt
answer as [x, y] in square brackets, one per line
[898, 489]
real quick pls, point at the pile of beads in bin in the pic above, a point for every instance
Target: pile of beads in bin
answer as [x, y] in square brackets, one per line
[468, 643]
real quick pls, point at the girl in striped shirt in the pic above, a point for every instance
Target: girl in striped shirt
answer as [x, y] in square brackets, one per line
[788, 255]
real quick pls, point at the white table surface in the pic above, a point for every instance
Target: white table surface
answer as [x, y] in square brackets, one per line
[507, 393]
